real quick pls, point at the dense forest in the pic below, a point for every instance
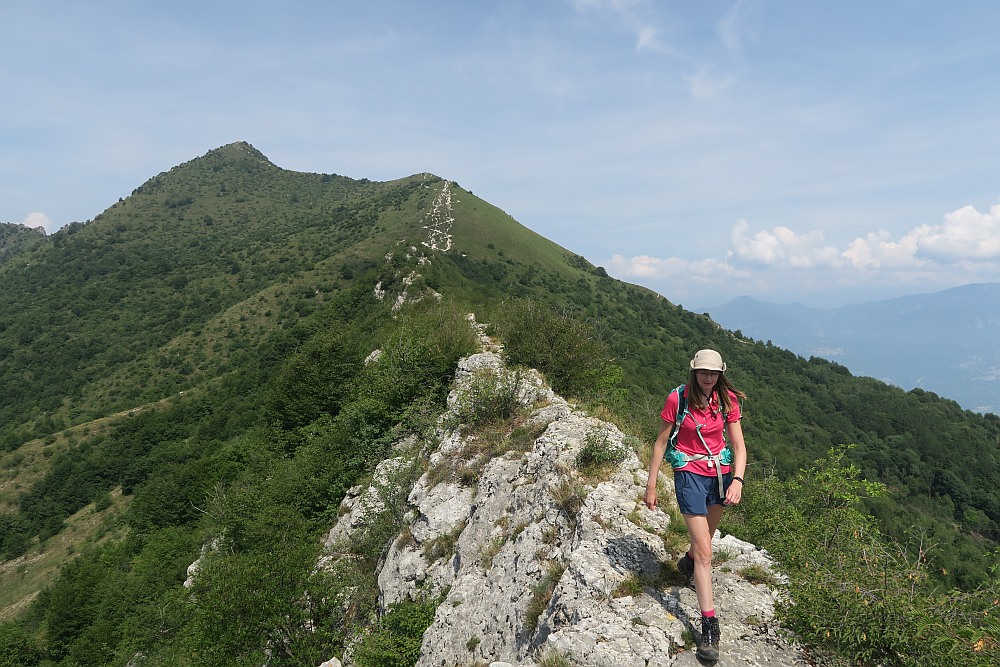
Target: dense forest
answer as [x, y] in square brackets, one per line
[194, 365]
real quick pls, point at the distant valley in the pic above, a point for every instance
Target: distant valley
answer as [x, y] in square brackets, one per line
[947, 342]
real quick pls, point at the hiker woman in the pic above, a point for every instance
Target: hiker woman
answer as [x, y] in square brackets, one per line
[707, 474]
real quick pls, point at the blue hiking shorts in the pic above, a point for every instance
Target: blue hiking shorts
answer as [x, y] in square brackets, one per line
[696, 492]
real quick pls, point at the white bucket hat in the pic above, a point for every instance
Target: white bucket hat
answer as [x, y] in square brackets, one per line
[708, 360]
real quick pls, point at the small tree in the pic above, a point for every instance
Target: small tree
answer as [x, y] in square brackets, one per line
[396, 640]
[568, 351]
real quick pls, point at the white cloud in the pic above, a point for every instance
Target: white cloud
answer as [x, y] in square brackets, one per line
[965, 235]
[965, 238]
[781, 246]
[614, 5]
[877, 251]
[733, 29]
[633, 14]
[647, 38]
[704, 86]
[964, 248]
[39, 219]
[705, 271]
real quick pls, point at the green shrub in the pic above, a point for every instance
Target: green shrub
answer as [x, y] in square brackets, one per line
[574, 359]
[600, 452]
[757, 574]
[316, 379]
[17, 647]
[443, 545]
[541, 593]
[630, 586]
[569, 497]
[489, 397]
[243, 597]
[395, 642]
[851, 593]
[554, 659]
[15, 536]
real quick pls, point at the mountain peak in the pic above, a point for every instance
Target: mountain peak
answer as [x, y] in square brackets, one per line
[241, 150]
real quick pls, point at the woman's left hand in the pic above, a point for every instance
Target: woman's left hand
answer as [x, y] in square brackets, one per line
[734, 493]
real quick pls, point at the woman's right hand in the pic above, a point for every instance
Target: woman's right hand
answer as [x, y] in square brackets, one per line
[649, 498]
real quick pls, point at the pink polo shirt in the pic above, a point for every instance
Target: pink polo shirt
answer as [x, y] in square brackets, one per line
[712, 430]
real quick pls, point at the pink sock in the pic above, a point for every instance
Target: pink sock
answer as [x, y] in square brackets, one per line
[708, 614]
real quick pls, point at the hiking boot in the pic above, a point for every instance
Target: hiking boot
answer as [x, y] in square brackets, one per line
[686, 566]
[708, 649]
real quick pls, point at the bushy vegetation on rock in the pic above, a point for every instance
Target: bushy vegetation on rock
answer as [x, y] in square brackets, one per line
[852, 594]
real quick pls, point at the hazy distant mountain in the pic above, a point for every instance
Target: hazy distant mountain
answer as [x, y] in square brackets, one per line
[947, 342]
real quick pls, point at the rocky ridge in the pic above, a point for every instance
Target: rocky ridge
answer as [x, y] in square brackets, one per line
[534, 560]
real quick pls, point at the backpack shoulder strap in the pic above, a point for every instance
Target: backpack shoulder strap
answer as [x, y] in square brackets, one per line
[682, 402]
[682, 412]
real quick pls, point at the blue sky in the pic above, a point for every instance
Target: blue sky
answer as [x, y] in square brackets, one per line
[794, 150]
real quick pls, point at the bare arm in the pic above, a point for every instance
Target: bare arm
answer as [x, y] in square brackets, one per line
[659, 448]
[735, 491]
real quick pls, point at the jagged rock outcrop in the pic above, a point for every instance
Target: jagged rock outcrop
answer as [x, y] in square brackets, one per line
[530, 557]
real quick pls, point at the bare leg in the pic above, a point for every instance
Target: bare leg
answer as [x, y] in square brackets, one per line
[701, 529]
[714, 519]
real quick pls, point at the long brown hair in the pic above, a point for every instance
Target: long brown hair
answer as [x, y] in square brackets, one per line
[721, 390]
